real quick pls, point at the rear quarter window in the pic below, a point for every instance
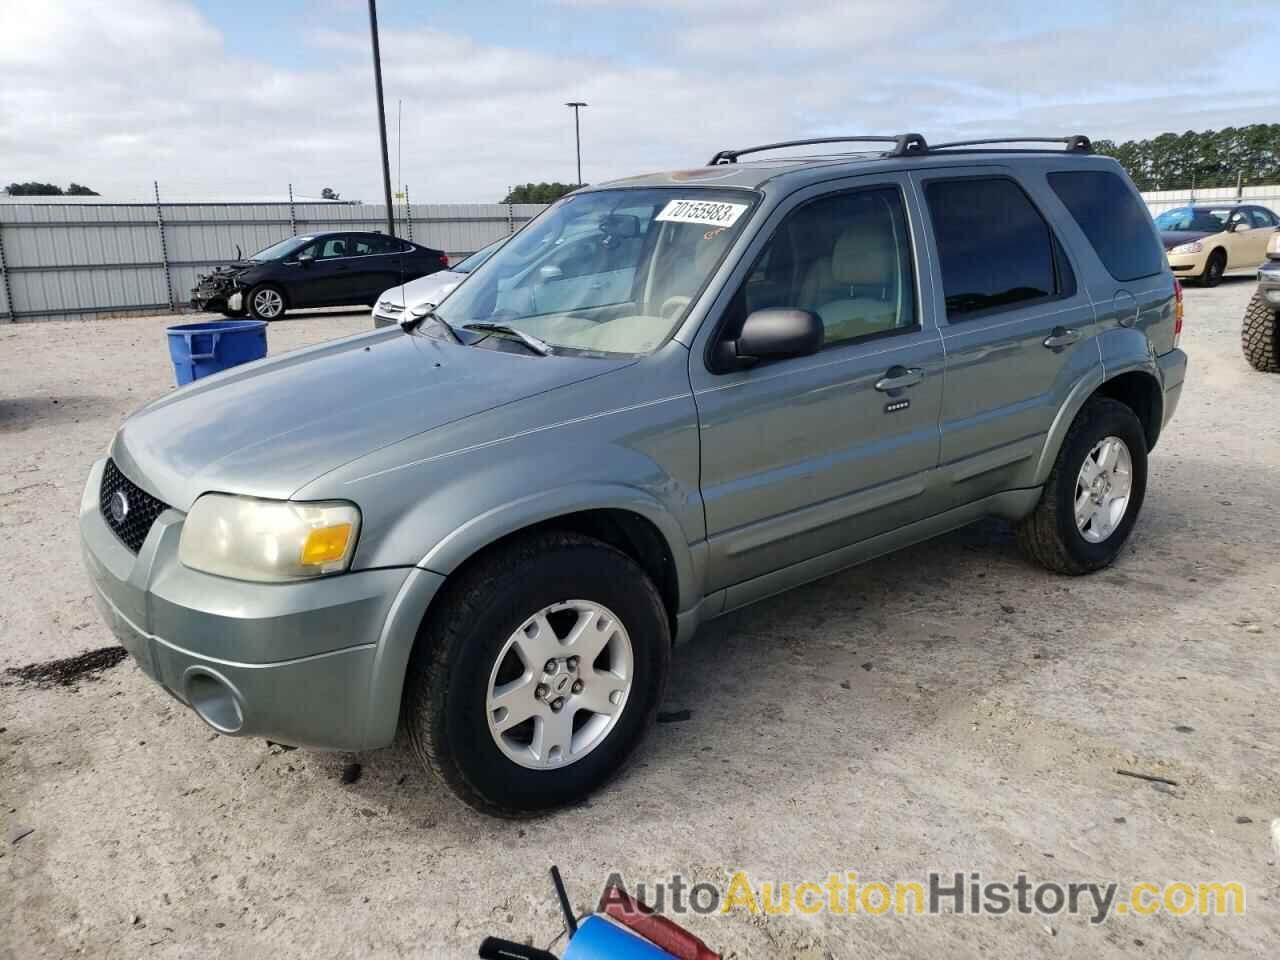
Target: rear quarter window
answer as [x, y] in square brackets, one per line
[1113, 219]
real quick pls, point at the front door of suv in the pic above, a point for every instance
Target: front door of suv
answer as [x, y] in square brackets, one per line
[804, 455]
[1018, 328]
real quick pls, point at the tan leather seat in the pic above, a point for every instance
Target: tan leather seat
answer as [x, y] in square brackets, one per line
[864, 260]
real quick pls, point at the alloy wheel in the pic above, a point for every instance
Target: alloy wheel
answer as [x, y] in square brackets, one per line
[1103, 487]
[560, 684]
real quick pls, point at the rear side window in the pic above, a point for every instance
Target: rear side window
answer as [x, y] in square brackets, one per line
[1113, 219]
[994, 247]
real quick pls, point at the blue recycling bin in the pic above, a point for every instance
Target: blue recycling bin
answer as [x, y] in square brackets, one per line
[199, 349]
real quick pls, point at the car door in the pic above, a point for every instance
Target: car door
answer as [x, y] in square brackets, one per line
[1017, 328]
[375, 266]
[804, 455]
[1254, 245]
[321, 280]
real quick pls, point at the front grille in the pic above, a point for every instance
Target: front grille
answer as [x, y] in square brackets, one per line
[141, 507]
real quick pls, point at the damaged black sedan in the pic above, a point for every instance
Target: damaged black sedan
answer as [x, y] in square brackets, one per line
[319, 270]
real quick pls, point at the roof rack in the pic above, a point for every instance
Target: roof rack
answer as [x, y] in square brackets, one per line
[903, 144]
[1077, 143]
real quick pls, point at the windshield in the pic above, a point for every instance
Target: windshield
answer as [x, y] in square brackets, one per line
[611, 271]
[278, 250]
[1202, 219]
[479, 257]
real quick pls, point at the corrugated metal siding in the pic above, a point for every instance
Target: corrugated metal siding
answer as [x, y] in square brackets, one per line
[83, 260]
[1161, 200]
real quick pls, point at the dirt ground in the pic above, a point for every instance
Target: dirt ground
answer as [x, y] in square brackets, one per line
[950, 707]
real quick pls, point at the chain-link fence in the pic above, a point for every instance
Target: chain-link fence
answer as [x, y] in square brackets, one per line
[85, 260]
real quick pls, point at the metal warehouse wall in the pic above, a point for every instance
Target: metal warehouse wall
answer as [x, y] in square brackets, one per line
[86, 260]
[1161, 200]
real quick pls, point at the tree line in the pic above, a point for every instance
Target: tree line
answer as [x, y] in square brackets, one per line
[539, 192]
[33, 188]
[1208, 158]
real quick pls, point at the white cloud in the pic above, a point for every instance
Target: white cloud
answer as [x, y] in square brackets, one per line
[116, 95]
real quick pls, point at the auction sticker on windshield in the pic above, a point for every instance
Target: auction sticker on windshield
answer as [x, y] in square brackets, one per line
[711, 212]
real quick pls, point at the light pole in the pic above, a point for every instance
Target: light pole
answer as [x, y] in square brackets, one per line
[382, 117]
[577, 134]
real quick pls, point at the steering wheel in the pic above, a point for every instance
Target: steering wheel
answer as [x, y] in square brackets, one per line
[672, 306]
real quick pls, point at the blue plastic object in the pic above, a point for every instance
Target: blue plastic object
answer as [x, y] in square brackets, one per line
[199, 349]
[599, 939]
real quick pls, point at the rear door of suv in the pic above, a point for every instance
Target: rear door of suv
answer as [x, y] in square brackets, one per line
[1017, 325]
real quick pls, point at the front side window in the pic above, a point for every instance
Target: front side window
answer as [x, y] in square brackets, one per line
[1113, 219]
[610, 271]
[1262, 219]
[995, 250]
[846, 258]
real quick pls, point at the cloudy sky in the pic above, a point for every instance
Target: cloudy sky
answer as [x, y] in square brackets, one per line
[232, 98]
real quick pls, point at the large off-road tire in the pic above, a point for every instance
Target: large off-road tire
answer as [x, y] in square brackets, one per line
[496, 654]
[1260, 335]
[1087, 510]
[267, 302]
[1214, 268]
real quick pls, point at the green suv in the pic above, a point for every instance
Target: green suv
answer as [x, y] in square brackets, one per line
[665, 398]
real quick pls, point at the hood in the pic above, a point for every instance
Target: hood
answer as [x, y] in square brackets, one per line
[268, 428]
[1172, 238]
[429, 289]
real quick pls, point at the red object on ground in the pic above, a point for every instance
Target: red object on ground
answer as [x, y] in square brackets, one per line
[657, 929]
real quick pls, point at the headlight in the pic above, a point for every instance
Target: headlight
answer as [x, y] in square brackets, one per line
[268, 540]
[1195, 246]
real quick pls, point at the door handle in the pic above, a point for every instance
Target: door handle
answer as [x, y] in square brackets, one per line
[898, 378]
[1060, 337]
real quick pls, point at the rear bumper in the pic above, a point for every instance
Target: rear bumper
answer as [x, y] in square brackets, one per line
[318, 663]
[1173, 370]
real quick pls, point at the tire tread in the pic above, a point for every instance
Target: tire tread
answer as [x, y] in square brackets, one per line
[1260, 335]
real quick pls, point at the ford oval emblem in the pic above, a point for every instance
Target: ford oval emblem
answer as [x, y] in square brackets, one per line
[119, 506]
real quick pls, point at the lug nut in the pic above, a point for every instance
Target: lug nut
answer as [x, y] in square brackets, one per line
[541, 691]
[551, 666]
[577, 686]
[557, 704]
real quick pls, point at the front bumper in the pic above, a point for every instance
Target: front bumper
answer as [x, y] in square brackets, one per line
[1191, 264]
[318, 663]
[1269, 282]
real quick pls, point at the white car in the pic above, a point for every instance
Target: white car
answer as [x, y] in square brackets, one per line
[392, 303]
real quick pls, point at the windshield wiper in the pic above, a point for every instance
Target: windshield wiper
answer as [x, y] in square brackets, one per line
[540, 347]
[427, 311]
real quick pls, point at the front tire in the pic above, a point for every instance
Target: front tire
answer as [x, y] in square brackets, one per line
[1214, 268]
[538, 675]
[1260, 335]
[1094, 492]
[266, 302]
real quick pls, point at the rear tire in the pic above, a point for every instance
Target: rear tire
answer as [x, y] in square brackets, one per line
[473, 645]
[266, 302]
[1214, 268]
[1260, 335]
[1054, 535]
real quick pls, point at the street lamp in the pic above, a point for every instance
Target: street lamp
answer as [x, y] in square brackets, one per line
[577, 134]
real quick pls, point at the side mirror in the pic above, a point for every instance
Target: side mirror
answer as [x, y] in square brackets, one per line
[1239, 226]
[772, 334]
[306, 261]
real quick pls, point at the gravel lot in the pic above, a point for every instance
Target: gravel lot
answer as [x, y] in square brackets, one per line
[950, 707]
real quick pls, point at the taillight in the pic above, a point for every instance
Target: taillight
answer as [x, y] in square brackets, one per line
[1177, 310]
[444, 261]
